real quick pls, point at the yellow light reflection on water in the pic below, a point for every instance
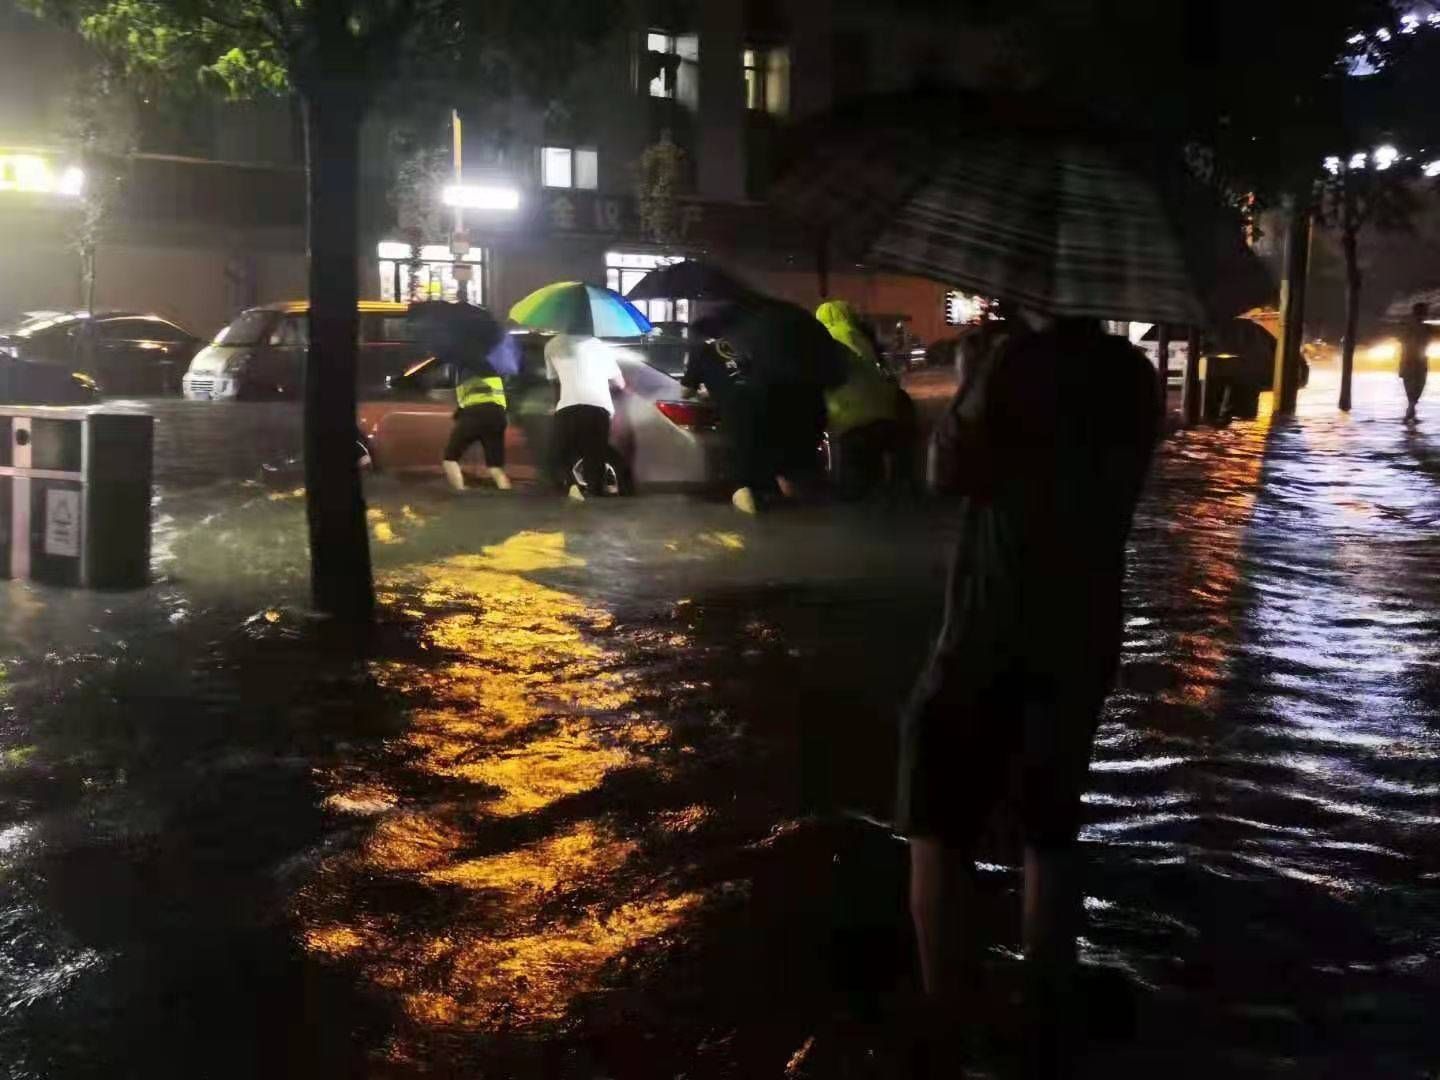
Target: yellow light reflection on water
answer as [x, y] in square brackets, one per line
[520, 706]
[1209, 544]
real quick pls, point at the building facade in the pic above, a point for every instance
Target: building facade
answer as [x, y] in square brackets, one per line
[203, 233]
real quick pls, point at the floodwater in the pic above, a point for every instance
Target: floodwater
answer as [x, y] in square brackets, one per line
[604, 794]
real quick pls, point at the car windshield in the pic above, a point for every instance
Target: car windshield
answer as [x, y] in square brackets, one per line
[249, 328]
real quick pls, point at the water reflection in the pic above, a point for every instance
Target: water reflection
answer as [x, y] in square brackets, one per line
[521, 710]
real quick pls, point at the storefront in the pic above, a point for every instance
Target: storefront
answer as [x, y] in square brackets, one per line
[432, 277]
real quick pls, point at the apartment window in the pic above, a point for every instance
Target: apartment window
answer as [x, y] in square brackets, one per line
[767, 79]
[623, 269]
[661, 49]
[566, 167]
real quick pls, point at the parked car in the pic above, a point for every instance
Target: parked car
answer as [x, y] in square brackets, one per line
[120, 353]
[657, 437]
[261, 354]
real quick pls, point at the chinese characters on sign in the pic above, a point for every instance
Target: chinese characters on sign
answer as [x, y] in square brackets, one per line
[607, 215]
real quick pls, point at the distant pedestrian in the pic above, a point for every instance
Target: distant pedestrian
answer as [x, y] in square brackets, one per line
[1414, 363]
[586, 369]
[1052, 434]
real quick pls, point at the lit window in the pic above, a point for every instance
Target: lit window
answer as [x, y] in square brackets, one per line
[623, 271]
[767, 79]
[564, 167]
[658, 43]
[556, 166]
[433, 278]
[587, 169]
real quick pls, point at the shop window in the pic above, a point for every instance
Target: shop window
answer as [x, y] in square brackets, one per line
[434, 277]
[767, 79]
[624, 269]
[566, 167]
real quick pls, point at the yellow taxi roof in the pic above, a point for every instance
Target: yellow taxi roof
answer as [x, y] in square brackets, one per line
[368, 307]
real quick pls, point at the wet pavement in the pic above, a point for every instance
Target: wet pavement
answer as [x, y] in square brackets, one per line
[599, 799]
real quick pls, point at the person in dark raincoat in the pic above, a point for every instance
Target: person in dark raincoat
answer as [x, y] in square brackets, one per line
[1048, 443]
[773, 363]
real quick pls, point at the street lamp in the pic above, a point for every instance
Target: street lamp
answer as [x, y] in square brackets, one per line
[480, 197]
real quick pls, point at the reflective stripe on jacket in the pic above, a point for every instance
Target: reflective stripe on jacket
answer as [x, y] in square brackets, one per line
[481, 390]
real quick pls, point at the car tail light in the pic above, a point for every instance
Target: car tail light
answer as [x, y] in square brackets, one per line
[694, 415]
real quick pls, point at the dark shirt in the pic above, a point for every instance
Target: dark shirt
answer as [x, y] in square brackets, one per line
[1053, 462]
[715, 367]
[1413, 344]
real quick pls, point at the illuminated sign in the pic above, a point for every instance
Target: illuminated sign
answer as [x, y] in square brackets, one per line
[32, 173]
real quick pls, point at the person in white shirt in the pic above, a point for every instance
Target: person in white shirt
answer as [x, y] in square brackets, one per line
[586, 369]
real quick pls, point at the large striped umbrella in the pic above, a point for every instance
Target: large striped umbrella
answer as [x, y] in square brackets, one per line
[1013, 200]
[573, 307]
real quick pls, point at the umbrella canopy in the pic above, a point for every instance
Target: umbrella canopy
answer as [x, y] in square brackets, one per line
[460, 334]
[573, 307]
[1402, 309]
[1014, 200]
[688, 280]
[781, 343]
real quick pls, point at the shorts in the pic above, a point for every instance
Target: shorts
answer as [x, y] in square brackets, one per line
[484, 424]
[1011, 696]
[961, 753]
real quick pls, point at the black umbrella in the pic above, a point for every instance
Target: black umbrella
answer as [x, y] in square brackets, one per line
[688, 280]
[781, 343]
[1014, 198]
[462, 334]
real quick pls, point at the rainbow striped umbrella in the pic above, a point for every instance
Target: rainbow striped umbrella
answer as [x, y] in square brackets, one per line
[573, 307]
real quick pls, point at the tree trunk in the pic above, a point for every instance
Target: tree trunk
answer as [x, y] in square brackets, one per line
[334, 503]
[1349, 241]
[1293, 288]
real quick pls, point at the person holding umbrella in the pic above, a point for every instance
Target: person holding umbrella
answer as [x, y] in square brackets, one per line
[585, 368]
[780, 362]
[587, 373]
[469, 339]
[1052, 436]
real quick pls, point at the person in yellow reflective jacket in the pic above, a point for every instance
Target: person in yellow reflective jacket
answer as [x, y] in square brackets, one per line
[481, 418]
[865, 415]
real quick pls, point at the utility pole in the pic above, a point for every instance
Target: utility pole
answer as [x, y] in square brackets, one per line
[1292, 304]
[459, 242]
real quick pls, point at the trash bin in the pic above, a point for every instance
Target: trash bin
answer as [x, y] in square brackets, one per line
[75, 496]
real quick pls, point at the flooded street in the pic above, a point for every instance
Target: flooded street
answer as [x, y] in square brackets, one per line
[604, 794]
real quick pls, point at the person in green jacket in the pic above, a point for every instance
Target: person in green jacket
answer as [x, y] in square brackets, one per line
[865, 413]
